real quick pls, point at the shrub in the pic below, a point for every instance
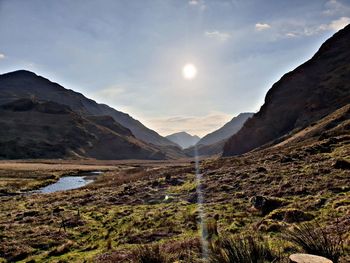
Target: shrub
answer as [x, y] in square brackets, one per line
[315, 240]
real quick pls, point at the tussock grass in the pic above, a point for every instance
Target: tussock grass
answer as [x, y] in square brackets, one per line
[150, 254]
[313, 239]
[242, 249]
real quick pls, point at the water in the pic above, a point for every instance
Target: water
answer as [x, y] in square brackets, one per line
[69, 182]
[200, 202]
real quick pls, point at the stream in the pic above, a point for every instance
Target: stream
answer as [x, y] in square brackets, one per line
[70, 182]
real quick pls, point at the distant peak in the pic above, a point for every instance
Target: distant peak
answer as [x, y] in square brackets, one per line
[182, 133]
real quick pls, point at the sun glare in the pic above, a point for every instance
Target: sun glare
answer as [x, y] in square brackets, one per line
[189, 71]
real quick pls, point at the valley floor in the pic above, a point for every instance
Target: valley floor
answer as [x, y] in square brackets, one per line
[136, 202]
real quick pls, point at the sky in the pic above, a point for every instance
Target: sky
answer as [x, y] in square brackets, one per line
[130, 54]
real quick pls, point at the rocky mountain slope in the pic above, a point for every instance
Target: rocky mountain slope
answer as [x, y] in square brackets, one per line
[183, 139]
[301, 97]
[226, 131]
[213, 143]
[26, 84]
[31, 129]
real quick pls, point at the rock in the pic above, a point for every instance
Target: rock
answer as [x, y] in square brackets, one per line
[265, 204]
[341, 164]
[167, 177]
[261, 170]
[307, 258]
[30, 213]
[155, 183]
[286, 159]
[57, 210]
[175, 181]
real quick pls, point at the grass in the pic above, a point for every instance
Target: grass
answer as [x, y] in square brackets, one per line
[126, 207]
[243, 249]
[150, 254]
[313, 239]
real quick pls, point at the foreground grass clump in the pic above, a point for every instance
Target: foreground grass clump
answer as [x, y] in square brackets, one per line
[151, 254]
[314, 240]
[243, 249]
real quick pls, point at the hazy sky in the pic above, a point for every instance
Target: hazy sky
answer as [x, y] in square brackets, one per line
[130, 53]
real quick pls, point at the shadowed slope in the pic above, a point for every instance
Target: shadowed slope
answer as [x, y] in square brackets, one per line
[30, 129]
[25, 84]
[305, 95]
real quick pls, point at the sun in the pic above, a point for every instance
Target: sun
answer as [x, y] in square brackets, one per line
[189, 71]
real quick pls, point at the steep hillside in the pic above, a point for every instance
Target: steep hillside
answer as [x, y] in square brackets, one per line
[25, 84]
[183, 139]
[301, 97]
[227, 130]
[213, 143]
[30, 129]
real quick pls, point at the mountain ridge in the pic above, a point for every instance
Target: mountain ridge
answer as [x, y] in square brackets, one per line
[314, 89]
[53, 130]
[77, 101]
[227, 130]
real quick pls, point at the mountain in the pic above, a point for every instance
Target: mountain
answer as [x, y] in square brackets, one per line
[213, 143]
[32, 129]
[183, 139]
[301, 97]
[26, 84]
[227, 130]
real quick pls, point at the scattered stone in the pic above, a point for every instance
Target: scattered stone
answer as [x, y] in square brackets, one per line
[57, 210]
[155, 183]
[167, 177]
[175, 181]
[261, 170]
[308, 258]
[286, 159]
[30, 213]
[341, 164]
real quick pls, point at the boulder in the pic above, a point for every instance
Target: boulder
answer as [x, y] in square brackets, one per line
[307, 258]
[341, 164]
[266, 204]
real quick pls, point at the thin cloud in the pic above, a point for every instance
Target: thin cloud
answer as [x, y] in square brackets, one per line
[307, 31]
[2, 56]
[339, 23]
[199, 3]
[221, 36]
[334, 7]
[193, 2]
[262, 26]
[291, 35]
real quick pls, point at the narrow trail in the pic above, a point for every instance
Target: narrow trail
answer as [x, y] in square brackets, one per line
[200, 203]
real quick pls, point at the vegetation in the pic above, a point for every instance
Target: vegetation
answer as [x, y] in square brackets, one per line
[313, 239]
[243, 249]
[155, 204]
